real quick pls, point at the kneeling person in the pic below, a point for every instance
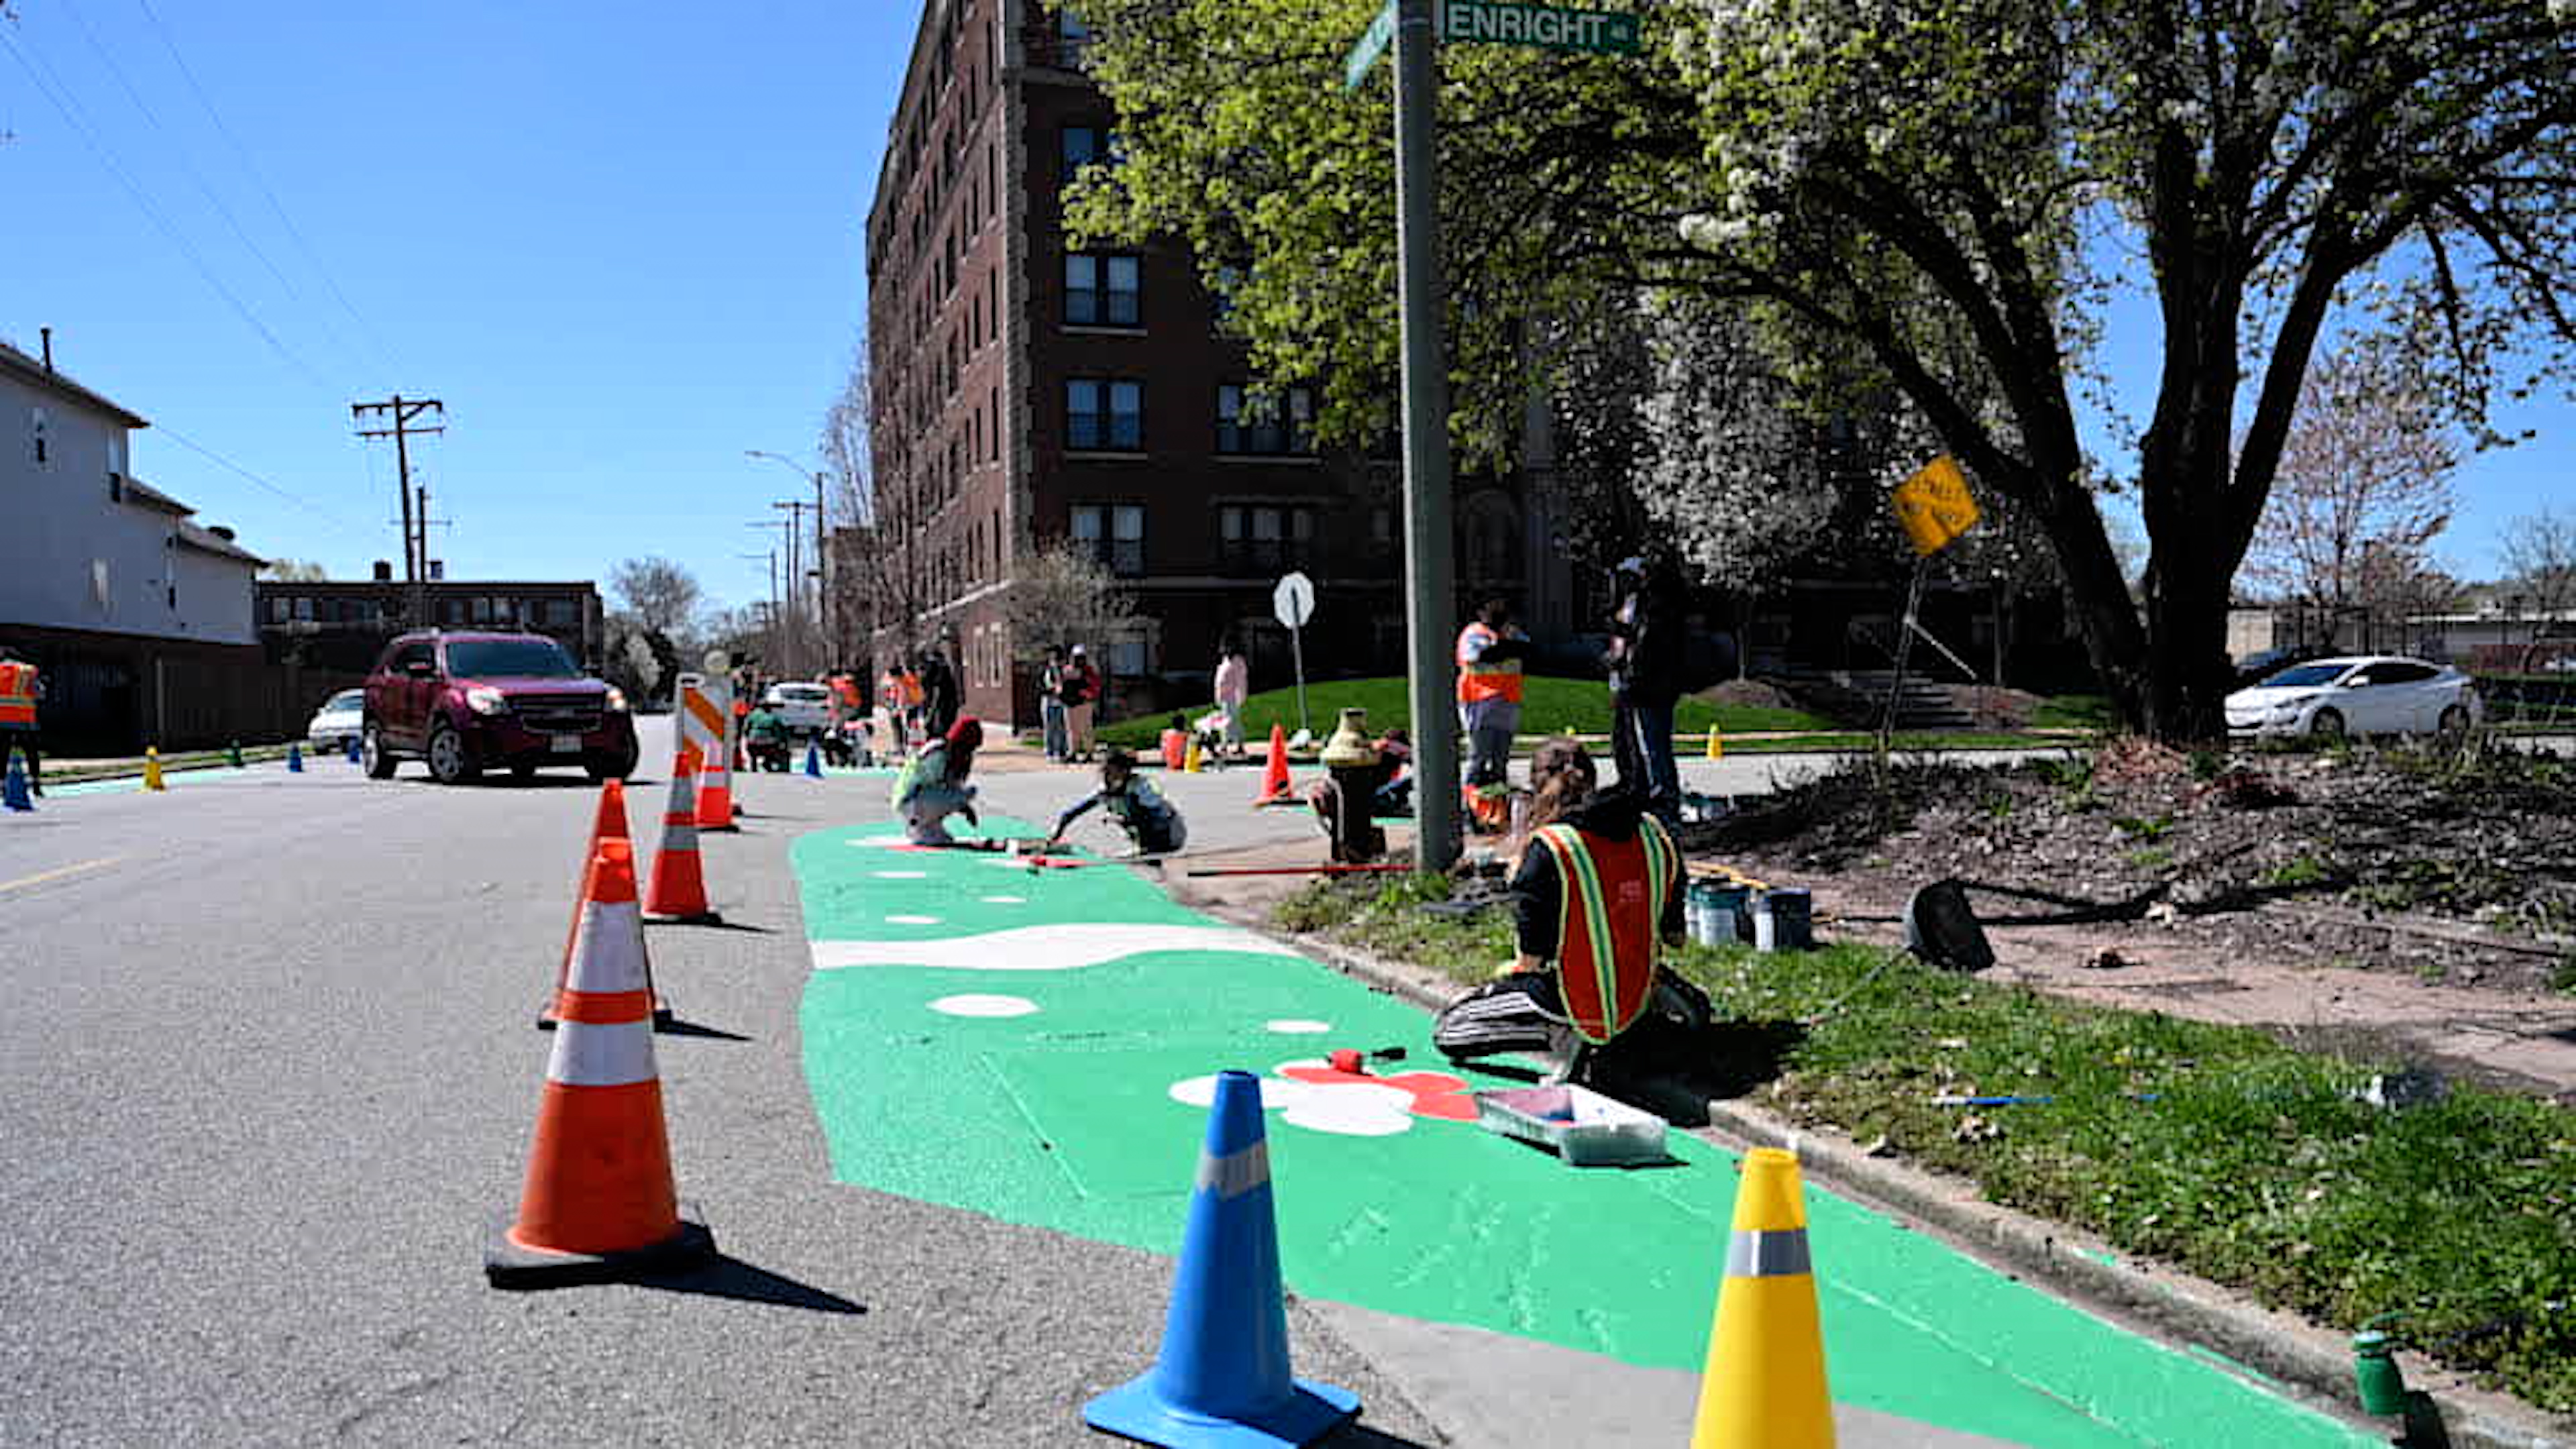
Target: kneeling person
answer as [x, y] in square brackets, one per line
[1150, 821]
[933, 784]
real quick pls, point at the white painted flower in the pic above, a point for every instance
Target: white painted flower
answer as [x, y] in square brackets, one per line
[1359, 1109]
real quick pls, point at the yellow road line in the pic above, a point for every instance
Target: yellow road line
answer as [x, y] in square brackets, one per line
[39, 879]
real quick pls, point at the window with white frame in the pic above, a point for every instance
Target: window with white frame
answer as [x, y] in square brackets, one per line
[1114, 533]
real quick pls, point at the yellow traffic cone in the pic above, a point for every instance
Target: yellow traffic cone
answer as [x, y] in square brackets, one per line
[1195, 761]
[1765, 1383]
[1716, 744]
[152, 769]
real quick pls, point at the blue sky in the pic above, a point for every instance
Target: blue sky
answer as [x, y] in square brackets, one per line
[622, 243]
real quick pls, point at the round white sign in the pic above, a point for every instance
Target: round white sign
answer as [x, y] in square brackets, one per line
[1294, 600]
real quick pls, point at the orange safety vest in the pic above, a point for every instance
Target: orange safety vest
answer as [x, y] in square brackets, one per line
[1176, 749]
[1611, 898]
[911, 688]
[1479, 682]
[17, 696]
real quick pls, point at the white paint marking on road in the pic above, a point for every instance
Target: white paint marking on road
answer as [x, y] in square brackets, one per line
[977, 1004]
[41, 877]
[902, 875]
[912, 920]
[1354, 1109]
[1006, 900]
[1295, 1026]
[1044, 948]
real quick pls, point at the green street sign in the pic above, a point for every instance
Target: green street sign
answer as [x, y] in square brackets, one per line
[1588, 32]
[1372, 44]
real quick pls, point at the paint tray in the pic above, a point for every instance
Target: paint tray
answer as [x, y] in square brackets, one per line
[1579, 1125]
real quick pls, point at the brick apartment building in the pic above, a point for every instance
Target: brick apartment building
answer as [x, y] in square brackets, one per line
[342, 625]
[1025, 392]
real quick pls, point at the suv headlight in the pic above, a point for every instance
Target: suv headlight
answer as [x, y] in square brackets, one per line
[616, 700]
[483, 699]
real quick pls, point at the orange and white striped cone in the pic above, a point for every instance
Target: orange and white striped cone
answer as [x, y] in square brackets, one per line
[678, 892]
[607, 825]
[715, 780]
[599, 1200]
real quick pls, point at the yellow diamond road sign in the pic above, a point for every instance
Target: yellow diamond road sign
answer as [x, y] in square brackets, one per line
[1933, 506]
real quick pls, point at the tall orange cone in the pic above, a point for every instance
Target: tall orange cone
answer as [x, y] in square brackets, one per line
[1276, 788]
[608, 824]
[706, 721]
[599, 1200]
[679, 888]
[1765, 1383]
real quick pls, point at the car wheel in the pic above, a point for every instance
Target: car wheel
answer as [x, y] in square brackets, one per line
[450, 761]
[2454, 722]
[523, 773]
[614, 768]
[2327, 724]
[372, 753]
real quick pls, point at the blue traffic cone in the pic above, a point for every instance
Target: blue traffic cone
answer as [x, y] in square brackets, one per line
[13, 789]
[353, 749]
[1223, 1379]
[813, 759]
[294, 758]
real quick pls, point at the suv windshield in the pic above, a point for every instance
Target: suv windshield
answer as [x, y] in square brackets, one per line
[2306, 676]
[509, 659]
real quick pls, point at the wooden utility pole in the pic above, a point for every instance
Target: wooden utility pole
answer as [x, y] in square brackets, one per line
[796, 559]
[397, 418]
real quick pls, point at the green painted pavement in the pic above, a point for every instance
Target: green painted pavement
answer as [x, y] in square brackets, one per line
[1065, 1118]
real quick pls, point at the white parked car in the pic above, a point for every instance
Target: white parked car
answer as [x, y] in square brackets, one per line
[805, 709]
[337, 722]
[2357, 695]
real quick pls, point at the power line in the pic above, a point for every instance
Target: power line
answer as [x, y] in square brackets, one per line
[227, 464]
[374, 340]
[60, 95]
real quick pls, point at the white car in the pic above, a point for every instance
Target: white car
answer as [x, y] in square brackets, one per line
[2357, 695]
[805, 709]
[337, 722]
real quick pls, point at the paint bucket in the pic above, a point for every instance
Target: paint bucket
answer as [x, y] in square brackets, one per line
[1782, 920]
[1731, 914]
[1699, 908]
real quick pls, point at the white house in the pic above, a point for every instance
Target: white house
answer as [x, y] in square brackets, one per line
[107, 583]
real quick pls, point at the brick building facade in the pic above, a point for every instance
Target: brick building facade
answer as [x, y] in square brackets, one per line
[1026, 392]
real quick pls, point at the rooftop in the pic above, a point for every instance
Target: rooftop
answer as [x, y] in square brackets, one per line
[35, 373]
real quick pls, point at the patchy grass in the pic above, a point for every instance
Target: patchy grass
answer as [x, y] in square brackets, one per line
[2074, 712]
[1549, 706]
[2218, 1149]
[133, 769]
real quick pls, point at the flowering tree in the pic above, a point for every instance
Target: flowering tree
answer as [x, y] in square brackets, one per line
[1943, 194]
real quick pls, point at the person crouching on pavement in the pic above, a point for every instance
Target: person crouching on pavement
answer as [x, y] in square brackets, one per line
[1598, 888]
[1152, 824]
[933, 784]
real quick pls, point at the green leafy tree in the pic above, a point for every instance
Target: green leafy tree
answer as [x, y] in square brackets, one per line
[1936, 200]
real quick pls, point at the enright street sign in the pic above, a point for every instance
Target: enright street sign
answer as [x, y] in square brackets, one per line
[1590, 32]
[1373, 43]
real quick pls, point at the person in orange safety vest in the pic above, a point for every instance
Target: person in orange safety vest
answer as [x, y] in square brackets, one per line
[20, 690]
[1597, 891]
[1490, 649]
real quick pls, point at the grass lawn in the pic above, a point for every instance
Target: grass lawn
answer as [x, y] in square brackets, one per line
[2074, 712]
[191, 760]
[2253, 1165]
[1548, 706]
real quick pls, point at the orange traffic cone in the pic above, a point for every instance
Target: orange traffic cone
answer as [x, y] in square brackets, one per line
[609, 824]
[679, 888]
[599, 1199]
[1276, 788]
[705, 722]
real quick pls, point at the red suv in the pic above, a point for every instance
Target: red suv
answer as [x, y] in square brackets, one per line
[466, 702]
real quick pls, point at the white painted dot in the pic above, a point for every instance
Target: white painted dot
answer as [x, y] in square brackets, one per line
[912, 920]
[1006, 900]
[976, 1004]
[1297, 1027]
[903, 875]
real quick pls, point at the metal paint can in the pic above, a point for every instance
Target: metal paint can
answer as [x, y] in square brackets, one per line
[1783, 920]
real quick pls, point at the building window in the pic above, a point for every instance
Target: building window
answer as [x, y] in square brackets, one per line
[1084, 145]
[1257, 540]
[37, 423]
[304, 610]
[1102, 290]
[1104, 415]
[1114, 533]
[1071, 37]
[1274, 424]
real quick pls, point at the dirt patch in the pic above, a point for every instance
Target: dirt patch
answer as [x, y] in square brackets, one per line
[1751, 693]
[2429, 896]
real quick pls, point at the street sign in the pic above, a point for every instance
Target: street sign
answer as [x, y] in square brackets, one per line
[1933, 506]
[1294, 600]
[1373, 43]
[1586, 32]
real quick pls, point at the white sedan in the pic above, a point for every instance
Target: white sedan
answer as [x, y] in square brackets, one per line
[2357, 695]
[805, 709]
[338, 721]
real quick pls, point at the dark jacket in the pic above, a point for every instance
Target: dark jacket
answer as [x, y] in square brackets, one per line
[1538, 893]
[938, 695]
[1650, 626]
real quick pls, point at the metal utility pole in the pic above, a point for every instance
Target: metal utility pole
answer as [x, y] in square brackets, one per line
[396, 418]
[795, 508]
[1427, 544]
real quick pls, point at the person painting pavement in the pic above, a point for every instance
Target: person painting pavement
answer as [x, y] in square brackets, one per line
[933, 784]
[1153, 826]
[765, 736]
[1598, 887]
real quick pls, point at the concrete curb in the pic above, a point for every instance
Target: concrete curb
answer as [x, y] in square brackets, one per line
[2279, 1350]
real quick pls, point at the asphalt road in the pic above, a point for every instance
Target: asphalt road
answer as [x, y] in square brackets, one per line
[272, 1073]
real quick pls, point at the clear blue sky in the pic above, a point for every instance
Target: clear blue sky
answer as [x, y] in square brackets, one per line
[622, 242]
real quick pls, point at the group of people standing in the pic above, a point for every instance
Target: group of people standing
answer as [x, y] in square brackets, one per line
[1069, 688]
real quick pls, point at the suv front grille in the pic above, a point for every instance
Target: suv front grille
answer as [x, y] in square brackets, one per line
[555, 714]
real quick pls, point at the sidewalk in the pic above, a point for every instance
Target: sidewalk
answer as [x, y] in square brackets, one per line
[1035, 1046]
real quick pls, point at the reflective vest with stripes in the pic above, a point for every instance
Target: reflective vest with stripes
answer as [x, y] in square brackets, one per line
[1478, 681]
[1611, 908]
[17, 696]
